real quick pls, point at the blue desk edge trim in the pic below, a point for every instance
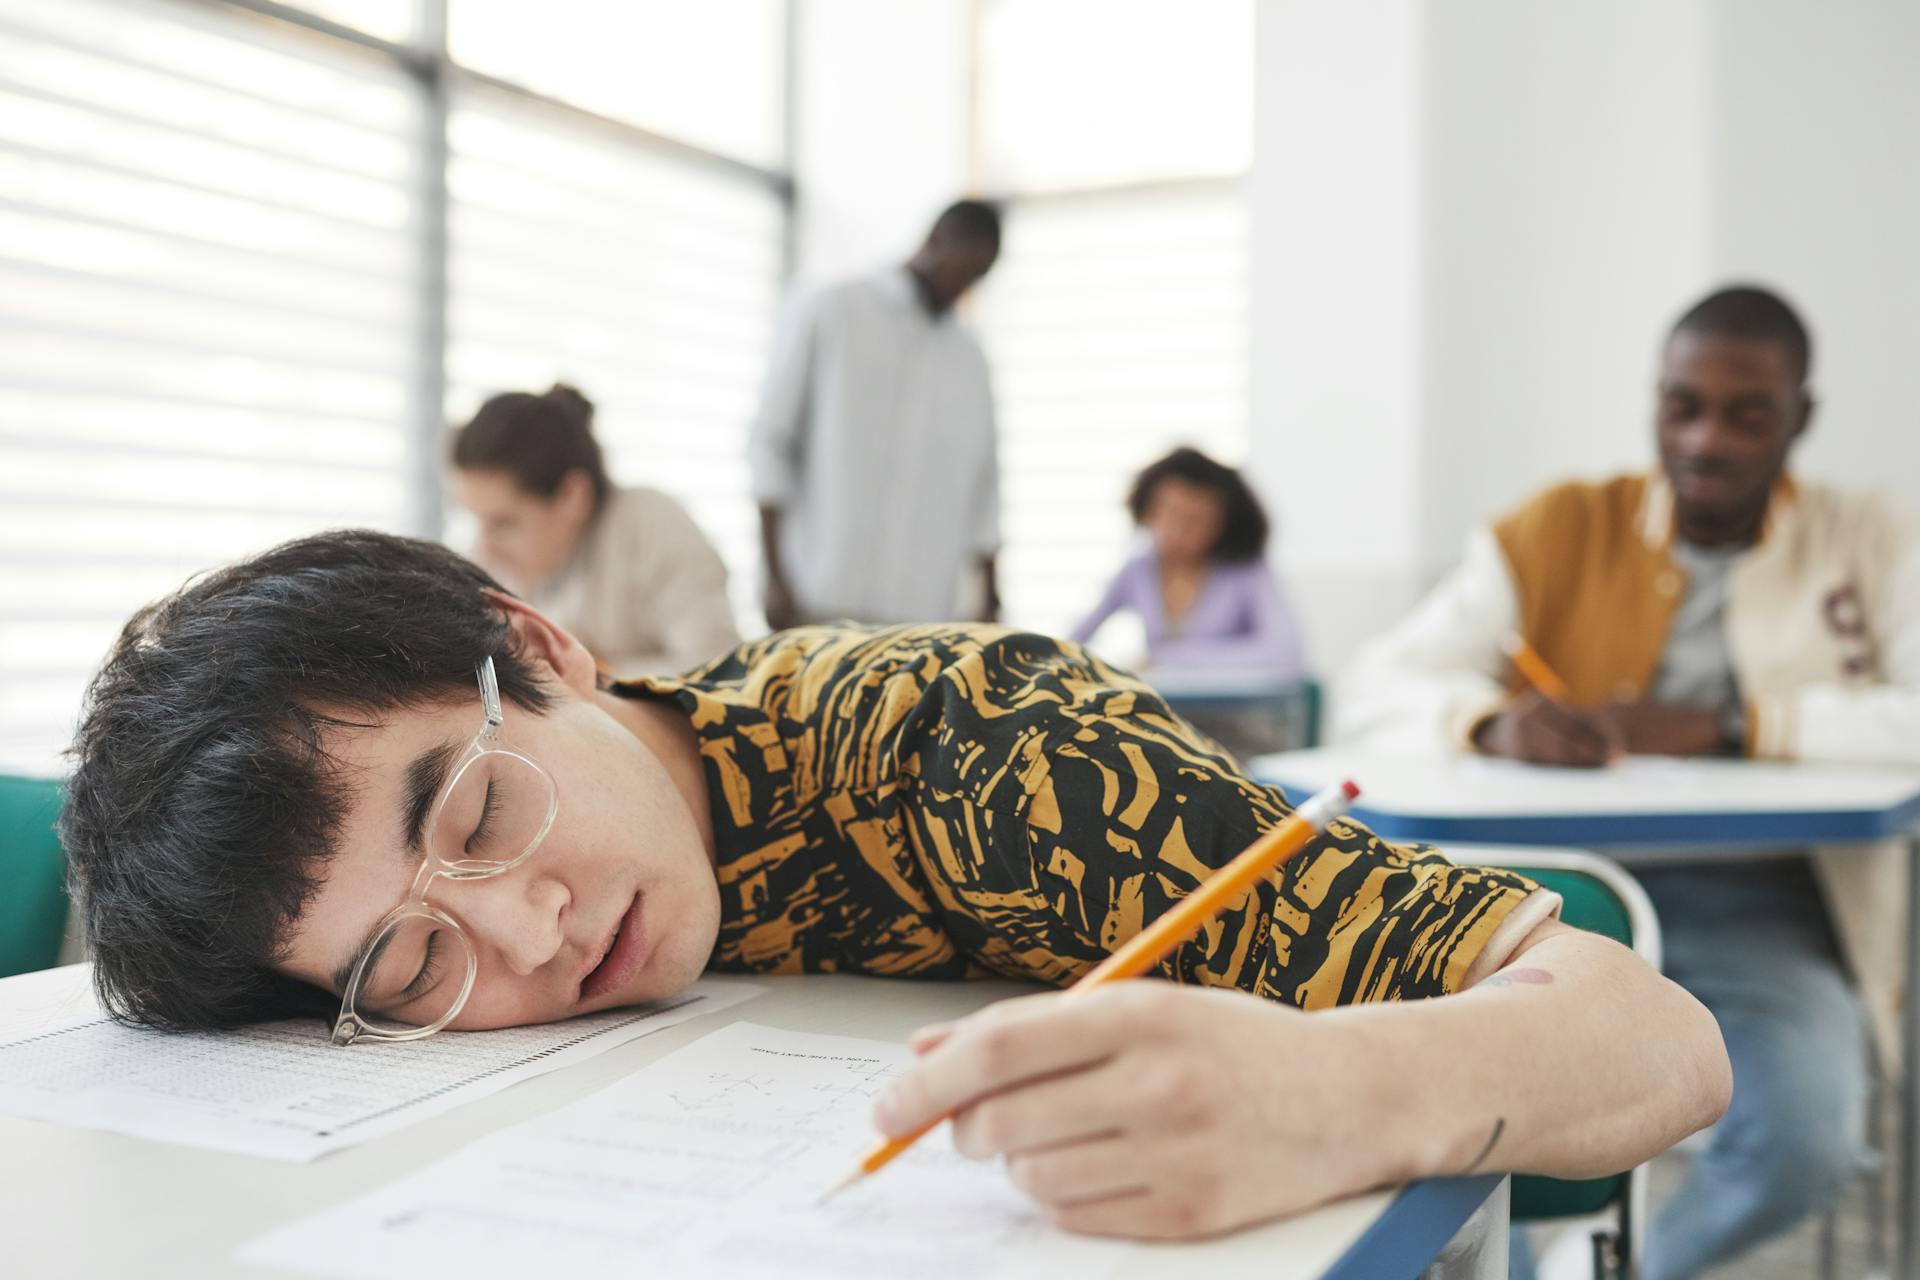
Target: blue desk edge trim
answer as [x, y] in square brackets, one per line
[1587, 829]
[1404, 1241]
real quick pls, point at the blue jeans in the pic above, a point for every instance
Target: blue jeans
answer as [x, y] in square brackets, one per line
[1752, 942]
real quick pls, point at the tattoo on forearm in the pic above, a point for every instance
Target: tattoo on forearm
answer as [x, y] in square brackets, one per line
[1499, 1127]
[1511, 977]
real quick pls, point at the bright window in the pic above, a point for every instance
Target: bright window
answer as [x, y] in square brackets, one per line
[206, 287]
[1117, 328]
[710, 73]
[1091, 93]
[215, 279]
[1116, 320]
[648, 281]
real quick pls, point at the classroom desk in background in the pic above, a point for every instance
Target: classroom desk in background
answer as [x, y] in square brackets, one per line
[1649, 810]
[85, 1203]
[1249, 712]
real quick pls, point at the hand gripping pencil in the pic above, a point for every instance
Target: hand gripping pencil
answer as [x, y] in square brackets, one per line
[1146, 948]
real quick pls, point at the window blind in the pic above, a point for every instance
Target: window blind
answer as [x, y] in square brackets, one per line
[648, 279]
[207, 309]
[1116, 328]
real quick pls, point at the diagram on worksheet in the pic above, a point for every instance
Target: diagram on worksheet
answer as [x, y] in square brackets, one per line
[710, 1161]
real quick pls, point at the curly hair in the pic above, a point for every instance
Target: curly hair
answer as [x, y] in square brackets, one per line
[1244, 535]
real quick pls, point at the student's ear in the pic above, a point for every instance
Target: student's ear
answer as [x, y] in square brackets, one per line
[1807, 405]
[543, 642]
[575, 494]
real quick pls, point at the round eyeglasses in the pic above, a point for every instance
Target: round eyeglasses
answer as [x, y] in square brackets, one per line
[415, 971]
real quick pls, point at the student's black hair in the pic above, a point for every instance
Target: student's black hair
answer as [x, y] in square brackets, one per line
[1749, 311]
[973, 220]
[203, 804]
[1244, 536]
[537, 439]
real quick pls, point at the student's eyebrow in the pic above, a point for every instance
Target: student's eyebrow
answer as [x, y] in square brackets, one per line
[425, 776]
[343, 972]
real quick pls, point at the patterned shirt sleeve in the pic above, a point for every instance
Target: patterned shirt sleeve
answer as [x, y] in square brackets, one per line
[944, 801]
[1082, 809]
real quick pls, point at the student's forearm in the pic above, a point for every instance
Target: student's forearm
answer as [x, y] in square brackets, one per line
[1575, 1060]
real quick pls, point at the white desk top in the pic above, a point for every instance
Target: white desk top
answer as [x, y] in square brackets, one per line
[85, 1203]
[1642, 798]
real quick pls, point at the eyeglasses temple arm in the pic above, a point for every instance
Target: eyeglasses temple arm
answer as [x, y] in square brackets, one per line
[489, 691]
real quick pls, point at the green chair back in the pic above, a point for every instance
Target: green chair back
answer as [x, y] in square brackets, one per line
[33, 903]
[1588, 904]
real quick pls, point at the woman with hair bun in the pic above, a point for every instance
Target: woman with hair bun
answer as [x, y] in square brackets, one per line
[625, 569]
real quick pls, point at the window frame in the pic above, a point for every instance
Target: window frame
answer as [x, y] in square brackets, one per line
[418, 324]
[424, 59]
[1012, 200]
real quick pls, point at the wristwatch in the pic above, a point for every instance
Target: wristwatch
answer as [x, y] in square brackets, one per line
[1733, 728]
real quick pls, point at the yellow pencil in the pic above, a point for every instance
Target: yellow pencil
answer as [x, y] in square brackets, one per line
[1146, 948]
[1535, 669]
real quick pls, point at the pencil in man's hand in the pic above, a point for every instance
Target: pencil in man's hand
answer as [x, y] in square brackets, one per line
[1146, 948]
[1534, 667]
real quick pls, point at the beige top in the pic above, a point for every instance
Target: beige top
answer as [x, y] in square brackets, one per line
[645, 591]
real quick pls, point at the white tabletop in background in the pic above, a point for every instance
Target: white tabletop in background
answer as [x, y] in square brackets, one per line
[1479, 786]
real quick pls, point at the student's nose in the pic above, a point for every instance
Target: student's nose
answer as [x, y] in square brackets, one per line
[516, 915]
[1710, 438]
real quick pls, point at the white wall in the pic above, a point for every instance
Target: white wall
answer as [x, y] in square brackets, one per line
[1336, 307]
[1816, 177]
[880, 127]
[1566, 202]
[1475, 220]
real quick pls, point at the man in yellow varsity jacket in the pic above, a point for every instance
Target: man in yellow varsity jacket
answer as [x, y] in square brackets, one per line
[1714, 607]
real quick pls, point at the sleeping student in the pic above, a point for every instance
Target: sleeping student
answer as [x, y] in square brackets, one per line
[353, 777]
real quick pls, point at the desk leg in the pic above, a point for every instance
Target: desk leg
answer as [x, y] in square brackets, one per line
[1909, 1216]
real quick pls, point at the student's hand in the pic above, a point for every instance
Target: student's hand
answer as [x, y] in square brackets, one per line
[778, 602]
[1153, 1110]
[1649, 729]
[1541, 731]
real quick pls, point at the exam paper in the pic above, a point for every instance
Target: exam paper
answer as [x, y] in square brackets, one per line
[279, 1089]
[709, 1162]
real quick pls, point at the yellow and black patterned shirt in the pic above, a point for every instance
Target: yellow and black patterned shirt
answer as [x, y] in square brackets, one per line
[947, 801]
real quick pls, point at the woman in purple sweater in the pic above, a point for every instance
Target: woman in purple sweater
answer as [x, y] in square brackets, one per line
[1202, 587]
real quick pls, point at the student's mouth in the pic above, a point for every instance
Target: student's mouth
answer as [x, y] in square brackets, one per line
[625, 952]
[1707, 483]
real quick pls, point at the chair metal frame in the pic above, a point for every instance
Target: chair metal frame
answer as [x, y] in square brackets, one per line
[1618, 1253]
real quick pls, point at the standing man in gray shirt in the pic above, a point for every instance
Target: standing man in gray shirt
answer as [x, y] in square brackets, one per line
[873, 456]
